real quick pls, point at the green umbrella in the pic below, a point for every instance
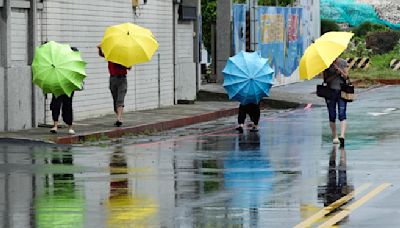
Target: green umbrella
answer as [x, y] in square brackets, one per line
[58, 69]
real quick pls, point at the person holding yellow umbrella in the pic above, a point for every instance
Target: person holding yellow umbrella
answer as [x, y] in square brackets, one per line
[335, 76]
[323, 56]
[123, 46]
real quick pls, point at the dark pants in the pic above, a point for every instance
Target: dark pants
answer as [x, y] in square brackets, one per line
[62, 102]
[118, 88]
[252, 109]
[341, 104]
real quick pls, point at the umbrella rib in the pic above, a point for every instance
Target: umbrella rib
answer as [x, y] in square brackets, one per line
[259, 86]
[237, 66]
[240, 88]
[66, 76]
[233, 83]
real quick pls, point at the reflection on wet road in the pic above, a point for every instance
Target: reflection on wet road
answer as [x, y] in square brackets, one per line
[286, 174]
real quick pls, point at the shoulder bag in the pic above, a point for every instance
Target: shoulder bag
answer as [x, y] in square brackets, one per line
[324, 91]
[347, 91]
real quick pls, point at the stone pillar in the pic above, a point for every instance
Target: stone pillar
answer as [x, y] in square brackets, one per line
[5, 60]
[224, 39]
[37, 98]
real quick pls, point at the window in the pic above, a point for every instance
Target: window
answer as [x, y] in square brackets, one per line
[187, 13]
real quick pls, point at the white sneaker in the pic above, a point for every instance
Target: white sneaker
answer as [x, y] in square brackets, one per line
[335, 141]
[71, 132]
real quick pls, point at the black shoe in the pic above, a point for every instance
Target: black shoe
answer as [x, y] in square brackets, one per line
[53, 131]
[341, 140]
[118, 123]
[240, 129]
[254, 129]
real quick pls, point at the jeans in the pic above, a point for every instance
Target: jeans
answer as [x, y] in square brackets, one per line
[331, 105]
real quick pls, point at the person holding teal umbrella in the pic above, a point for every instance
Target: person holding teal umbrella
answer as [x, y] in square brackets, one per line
[248, 78]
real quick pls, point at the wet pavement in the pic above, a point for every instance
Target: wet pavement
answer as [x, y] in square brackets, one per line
[206, 175]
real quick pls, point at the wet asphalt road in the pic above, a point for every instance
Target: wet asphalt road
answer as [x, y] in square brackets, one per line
[206, 175]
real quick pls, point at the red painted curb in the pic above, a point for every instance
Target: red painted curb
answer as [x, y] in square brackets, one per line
[159, 126]
[389, 81]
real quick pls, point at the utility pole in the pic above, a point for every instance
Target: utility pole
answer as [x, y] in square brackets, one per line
[224, 38]
[5, 59]
[253, 26]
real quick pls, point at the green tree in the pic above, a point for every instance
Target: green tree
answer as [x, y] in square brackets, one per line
[328, 25]
[209, 14]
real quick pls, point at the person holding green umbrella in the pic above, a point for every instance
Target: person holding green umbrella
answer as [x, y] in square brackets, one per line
[63, 102]
[59, 69]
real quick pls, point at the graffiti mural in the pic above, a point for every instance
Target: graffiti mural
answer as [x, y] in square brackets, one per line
[281, 38]
[239, 27]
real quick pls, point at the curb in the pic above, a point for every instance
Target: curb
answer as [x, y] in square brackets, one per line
[265, 102]
[159, 126]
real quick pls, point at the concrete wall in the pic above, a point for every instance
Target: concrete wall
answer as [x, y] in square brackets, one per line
[15, 76]
[19, 98]
[1, 99]
[311, 20]
[186, 57]
[185, 66]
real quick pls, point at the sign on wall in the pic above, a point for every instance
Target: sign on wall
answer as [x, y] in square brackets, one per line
[239, 27]
[280, 37]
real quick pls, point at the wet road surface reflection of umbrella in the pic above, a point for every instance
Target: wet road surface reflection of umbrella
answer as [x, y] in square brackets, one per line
[247, 77]
[321, 54]
[62, 204]
[57, 69]
[247, 174]
[128, 44]
[125, 208]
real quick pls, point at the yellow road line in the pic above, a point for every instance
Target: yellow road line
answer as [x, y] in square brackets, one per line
[346, 211]
[326, 210]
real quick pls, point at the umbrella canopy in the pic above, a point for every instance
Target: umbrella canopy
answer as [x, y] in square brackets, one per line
[61, 204]
[247, 77]
[247, 173]
[321, 54]
[128, 44]
[58, 69]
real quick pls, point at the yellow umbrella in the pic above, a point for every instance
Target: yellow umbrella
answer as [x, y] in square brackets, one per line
[321, 54]
[128, 44]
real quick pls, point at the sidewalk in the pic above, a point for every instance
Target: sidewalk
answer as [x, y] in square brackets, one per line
[292, 94]
[212, 104]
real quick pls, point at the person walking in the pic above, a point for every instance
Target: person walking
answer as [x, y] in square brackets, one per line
[253, 110]
[62, 103]
[118, 87]
[335, 76]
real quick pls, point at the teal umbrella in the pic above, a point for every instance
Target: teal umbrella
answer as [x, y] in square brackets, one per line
[57, 69]
[247, 77]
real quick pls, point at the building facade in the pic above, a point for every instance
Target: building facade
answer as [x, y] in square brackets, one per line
[171, 76]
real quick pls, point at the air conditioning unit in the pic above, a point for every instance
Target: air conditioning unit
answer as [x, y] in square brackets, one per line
[187, 13]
